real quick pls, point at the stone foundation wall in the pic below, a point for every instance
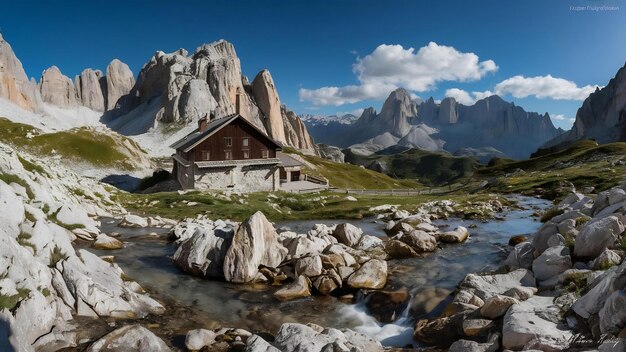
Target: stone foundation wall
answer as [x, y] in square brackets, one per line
[241, 178]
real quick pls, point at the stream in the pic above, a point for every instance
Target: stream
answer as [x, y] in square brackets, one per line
[146, 259]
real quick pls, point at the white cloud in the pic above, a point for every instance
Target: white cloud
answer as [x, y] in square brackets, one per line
[467, 98]
[559, 117]
[460, 96]
[543, 87]
[392, 66]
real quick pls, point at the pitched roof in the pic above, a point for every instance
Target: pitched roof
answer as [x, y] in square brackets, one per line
[196, 137]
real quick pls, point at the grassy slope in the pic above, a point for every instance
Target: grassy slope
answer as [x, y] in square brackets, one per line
[352, 176]
[79, 144]
[584, 164]
[430, 168]
[291, 206]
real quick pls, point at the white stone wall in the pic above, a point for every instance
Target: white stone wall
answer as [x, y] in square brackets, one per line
[250, 178]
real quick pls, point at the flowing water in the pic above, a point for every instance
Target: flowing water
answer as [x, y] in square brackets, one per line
[147, 260]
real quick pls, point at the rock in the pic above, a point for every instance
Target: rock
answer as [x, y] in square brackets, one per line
[309, 266]
[133, 221]
[605, 260]
[534, 318]
[89, 89]
[328, 282]
[255, 243]
[613, 315]
[540, 239]
[195, 102]
[130, 338]
[552, 262]
[387, 306]
[268, 102]
[372, 274]
[120, 80]
[199, 338]
[296, 132]
[105, 242]
[57, 89]
[348, 234]
[613, 345]
[465, 296]
[420, 241]
[426, 300]
[616, 195]
[497, 306]
[440, 331]
[203, 254]
[599, 290]
[298, 289]
[302, 338]
[99, 285]
[400, 228]
[14, 84]
[521, 293]
[299, 246]
[332, 261]
[256, 344]
[521, 257]
[473, 327]
[400, 214]
[399, 250]
[332, 153]
[515, 240]
[369, 243]
[11, 208]
[486, 286]
[460, 234]
[473, 346]
[596, 236]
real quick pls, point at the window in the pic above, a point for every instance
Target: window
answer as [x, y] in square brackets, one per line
[265, 153]
[246, 154]
[228, 141]
[205, 155]
[244, 142]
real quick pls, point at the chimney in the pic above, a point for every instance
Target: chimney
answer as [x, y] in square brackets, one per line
[238, 101]
[202, 123]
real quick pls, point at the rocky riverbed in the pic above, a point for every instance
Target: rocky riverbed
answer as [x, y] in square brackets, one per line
[428, 277]
[78, 272]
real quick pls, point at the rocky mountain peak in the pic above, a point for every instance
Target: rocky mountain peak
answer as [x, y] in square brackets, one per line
[267, 100]
[14, 84]
[448, 113]
[119, 81]
[602, 115]
[89, 89]
[398, 111]
[56, 88]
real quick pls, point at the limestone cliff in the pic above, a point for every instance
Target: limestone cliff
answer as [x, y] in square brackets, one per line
[268, 102]
[14, 84]
[57, 89]
[182, 88]
[602, 115]
[119, 81]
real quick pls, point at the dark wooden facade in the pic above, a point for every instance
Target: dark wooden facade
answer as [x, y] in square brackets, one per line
[215, 147]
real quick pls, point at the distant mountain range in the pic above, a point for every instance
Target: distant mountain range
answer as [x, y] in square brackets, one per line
[491, 126]
[316, 120]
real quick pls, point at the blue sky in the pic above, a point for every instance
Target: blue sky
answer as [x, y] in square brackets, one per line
[308, 45]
